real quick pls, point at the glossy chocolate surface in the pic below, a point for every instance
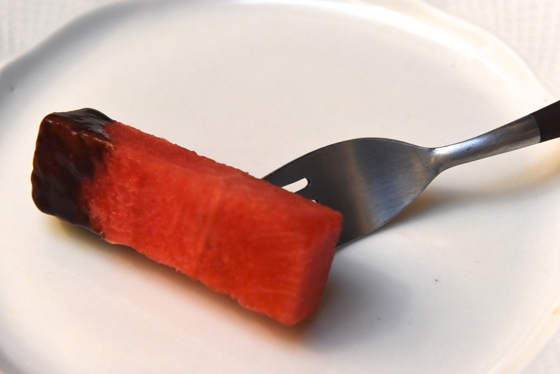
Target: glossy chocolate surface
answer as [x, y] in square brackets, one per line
[70, 146]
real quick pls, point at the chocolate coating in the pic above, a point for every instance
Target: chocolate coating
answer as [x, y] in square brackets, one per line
[70, 146]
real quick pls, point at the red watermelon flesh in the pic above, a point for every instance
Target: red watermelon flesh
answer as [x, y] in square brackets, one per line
[268, 248]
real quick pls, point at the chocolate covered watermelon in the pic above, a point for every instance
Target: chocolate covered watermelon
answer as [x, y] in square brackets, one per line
[268, 248]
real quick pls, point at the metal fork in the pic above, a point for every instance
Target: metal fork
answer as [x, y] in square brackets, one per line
[371, 180]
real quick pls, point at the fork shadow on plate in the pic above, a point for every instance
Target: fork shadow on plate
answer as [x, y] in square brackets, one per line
[359, 304]
[6, 366]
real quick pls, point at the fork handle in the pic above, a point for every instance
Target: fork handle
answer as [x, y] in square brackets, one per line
[548, 120]
[537, 127]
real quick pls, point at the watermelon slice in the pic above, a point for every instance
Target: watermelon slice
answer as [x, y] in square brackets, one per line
[268, 248]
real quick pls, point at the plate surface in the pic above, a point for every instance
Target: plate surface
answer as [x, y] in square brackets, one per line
[465, 281]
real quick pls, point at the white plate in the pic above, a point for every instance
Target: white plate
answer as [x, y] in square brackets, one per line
[465, 281]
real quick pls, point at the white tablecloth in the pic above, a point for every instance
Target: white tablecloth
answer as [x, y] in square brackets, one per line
[531, 28]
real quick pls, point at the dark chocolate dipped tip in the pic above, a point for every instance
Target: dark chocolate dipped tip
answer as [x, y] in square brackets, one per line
[70, 145]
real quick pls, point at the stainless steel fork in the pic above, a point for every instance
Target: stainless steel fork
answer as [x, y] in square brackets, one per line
[371, 180]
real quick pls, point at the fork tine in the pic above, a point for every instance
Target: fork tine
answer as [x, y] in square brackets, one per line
[307, 193]
[285, 175]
